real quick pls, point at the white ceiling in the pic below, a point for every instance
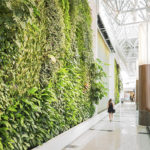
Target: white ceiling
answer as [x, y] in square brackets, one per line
[121, 19]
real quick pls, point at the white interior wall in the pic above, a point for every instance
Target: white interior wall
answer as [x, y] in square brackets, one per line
[103, 54]
[111, 76]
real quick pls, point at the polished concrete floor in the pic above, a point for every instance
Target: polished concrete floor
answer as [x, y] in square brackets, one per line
[122, 133]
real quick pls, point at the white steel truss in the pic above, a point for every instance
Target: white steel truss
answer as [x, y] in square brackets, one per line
[121, 19]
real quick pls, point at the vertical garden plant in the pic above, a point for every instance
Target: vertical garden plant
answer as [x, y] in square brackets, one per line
[118, 82]
[47, 71]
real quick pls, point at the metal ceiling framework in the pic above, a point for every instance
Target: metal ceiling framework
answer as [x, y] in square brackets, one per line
[104, 33]
[121, 19]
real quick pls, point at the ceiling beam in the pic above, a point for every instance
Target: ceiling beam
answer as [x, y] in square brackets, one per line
[131, 23]
[132, 10]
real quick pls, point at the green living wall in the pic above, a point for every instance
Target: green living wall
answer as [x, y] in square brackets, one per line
[48, 78]
[118, 82]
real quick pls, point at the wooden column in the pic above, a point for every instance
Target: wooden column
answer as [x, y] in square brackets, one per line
[137, 94]
[144, 95]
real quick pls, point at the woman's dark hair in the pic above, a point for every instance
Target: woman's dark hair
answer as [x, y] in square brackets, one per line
[109, 101]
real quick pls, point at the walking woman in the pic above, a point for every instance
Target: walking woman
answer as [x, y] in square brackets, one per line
[111, 109]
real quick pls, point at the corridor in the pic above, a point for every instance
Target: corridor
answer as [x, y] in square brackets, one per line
[122, 133]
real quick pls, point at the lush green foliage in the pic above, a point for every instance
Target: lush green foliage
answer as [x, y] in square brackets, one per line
[118, 82]
[47, 72]
[98, 90]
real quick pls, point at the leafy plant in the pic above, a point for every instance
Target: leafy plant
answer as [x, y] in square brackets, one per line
[98, 90]
[46, 73]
